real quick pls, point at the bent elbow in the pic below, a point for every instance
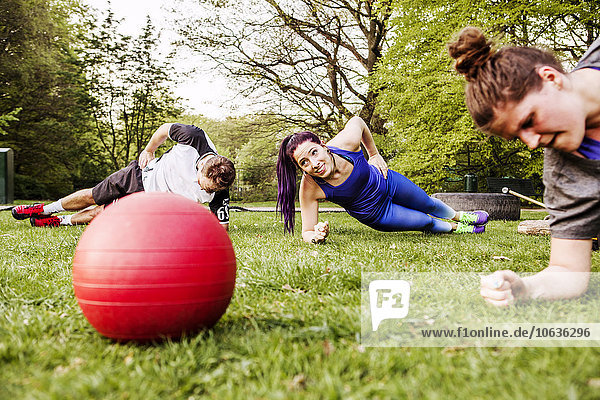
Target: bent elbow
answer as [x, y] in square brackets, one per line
[581, 284]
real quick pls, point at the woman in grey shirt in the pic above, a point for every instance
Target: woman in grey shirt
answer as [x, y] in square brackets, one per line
[524, 93]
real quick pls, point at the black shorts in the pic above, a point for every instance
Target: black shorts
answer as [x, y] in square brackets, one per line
[119, 184]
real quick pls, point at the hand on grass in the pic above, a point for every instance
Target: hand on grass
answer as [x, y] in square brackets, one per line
[502, 288]
[379, 163]
[145, 158]
[321, 232]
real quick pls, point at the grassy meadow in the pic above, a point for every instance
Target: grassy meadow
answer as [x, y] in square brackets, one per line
[292, 330]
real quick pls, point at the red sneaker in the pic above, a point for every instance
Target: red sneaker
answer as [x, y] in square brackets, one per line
[50, 221]
[25, 211]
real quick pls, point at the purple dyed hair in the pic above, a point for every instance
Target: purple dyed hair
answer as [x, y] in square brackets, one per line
[286, 176]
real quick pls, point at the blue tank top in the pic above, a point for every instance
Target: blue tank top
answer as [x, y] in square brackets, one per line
[363, 193]
[590, 148]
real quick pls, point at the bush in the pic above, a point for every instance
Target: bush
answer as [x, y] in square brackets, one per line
[27, 187]
[262, 192]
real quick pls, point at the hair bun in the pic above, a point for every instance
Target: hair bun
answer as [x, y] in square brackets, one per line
[471, 51]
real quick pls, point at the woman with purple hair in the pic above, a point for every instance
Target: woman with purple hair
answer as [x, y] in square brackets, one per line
[376, 196]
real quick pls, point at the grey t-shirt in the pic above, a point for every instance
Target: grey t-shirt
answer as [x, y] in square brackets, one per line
[572, 193]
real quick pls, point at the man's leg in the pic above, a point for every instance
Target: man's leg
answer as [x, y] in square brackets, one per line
[86, 216]
[80, 218]
[74, 202]
[78, 201]
[82, 201]
[121, 183]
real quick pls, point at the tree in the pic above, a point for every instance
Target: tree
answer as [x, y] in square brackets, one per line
[252, 142]
[42, 104]
[151, 101]
[130, 89]
[566, 27]
[431, 136]
[307, 61]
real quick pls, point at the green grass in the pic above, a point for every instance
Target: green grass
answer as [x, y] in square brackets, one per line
[292, 329]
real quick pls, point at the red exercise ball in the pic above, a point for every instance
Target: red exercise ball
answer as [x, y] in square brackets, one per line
[153, 265]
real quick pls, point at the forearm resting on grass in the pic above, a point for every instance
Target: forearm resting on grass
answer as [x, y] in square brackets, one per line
[566, 277]
[318, 234]
[158, 138]
[568, 274]
[313, 231]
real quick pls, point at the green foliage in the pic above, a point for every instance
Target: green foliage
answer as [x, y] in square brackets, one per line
[566, 27]
[252, 143]
[228, 135]
[40, 76]
[7, 118]
[77, 99]
[129, 86]
[431, 136]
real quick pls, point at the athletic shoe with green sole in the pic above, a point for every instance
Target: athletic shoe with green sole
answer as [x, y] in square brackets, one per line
[478, 217]
[466, 228]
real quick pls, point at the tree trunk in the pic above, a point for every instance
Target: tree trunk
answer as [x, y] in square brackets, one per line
[534, 227]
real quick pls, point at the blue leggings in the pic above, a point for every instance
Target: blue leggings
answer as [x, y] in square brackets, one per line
[407, 208]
